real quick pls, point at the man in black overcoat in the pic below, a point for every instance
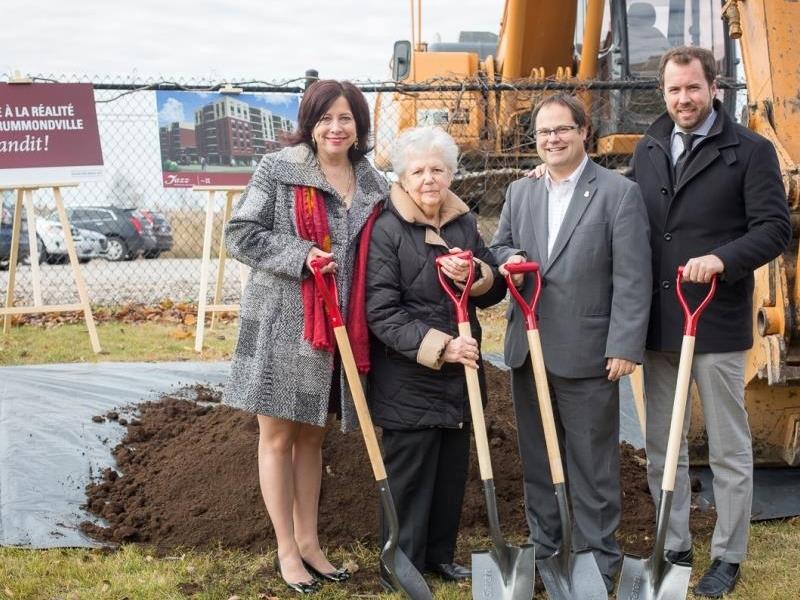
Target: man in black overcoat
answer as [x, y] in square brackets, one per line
[716, 203]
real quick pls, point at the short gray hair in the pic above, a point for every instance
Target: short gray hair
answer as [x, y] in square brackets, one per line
[422, 140]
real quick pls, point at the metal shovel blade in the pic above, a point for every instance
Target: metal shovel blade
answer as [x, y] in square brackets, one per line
[572, 576]
[489, 582]
[504, 572]
[655, 578]
[651, 579]
[403, 575]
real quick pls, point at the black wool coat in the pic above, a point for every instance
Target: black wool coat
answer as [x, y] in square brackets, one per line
[411, 319]
[730, 202]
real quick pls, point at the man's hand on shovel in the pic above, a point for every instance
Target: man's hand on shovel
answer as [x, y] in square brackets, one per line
[516, 278]
[702, 269]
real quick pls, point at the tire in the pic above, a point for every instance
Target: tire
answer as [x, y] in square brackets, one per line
[151, 254]
[6, 262]
[117, 249]
[40, 250]
[84, 260]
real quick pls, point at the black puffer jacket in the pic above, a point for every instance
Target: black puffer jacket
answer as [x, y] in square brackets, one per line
[412, 319]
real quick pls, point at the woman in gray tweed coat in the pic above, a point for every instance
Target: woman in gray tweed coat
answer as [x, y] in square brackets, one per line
[288, 381]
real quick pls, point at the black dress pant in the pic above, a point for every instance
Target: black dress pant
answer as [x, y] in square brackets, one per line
[427, 470]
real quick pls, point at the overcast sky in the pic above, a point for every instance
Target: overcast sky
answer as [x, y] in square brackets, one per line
[268, 40]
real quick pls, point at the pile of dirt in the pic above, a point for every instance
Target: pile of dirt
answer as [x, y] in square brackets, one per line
[187, 477]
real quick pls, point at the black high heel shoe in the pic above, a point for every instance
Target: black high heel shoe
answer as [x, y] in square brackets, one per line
[338, 576]
[302, 587]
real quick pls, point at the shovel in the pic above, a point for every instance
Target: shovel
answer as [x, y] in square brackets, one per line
[566, 575]
[505, 572]
[402, 573]
[656, 578]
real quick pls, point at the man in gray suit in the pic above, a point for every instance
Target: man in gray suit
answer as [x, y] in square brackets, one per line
[587, 227]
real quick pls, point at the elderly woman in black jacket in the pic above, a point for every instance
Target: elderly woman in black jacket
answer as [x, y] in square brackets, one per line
[417, 388]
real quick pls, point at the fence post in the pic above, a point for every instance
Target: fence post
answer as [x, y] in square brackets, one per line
[312, 75]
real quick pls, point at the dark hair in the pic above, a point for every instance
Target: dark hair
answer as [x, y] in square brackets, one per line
[574, 105]
[317, 99]
[683, 55]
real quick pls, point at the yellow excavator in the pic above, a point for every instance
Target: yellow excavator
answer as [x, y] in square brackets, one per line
[482, 88]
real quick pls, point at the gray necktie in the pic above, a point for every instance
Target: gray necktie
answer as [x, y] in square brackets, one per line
[688, 142]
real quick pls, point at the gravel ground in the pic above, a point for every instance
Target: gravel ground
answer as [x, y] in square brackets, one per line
[140, 280]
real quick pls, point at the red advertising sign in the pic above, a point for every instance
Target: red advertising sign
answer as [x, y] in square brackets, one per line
[48, 134]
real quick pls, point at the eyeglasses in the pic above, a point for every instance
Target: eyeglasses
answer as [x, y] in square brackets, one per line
[560, 131]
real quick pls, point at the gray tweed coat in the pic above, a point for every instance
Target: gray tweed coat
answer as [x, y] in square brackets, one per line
[275, 372]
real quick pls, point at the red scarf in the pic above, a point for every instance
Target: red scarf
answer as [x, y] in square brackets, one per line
[312, 224]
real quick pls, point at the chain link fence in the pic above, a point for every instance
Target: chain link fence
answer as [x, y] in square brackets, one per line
[491, 123]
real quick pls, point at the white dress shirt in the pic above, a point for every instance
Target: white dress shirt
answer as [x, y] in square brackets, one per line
[559, 195]
[676, 143]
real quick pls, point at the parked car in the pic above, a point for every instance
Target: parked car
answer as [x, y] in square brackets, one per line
[6, 225]
[127, 231]
[98, 243]
[162, 231]
[52, 247]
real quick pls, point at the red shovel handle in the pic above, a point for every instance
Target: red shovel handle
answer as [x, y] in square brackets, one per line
[528, 309]
[462, 312]
[691, 318]
[326, 287]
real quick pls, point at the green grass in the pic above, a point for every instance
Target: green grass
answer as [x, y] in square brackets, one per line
[146, 341]
[135, 573]
[156, 341]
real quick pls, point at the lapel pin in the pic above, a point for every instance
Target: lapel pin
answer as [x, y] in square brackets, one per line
[586, 194]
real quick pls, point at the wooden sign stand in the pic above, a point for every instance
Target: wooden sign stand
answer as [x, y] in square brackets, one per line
[231, 193]
[25, 196]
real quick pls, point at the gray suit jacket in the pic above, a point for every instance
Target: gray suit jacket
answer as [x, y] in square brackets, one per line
[596, 292]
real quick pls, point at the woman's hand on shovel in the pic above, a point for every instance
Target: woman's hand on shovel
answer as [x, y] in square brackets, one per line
[316, 253]
[462, 350]
[454, 267]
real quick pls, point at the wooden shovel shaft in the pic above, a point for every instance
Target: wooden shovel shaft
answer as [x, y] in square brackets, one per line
[637, 387]
[360, 401]
[545, 407]
[476, 409]
[678, 413]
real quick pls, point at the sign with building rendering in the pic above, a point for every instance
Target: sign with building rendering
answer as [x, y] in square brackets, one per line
[218, 139]
[48, 134]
